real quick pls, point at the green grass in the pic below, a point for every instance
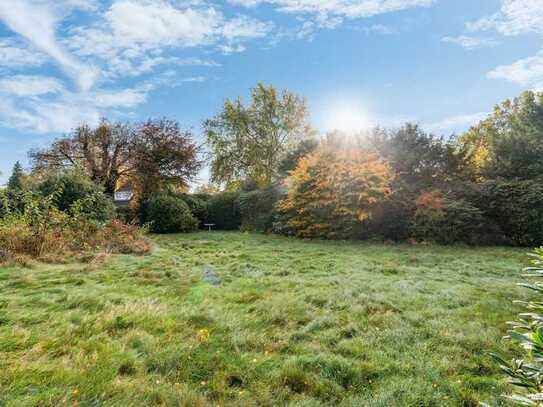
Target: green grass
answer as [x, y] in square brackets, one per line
[298, 323]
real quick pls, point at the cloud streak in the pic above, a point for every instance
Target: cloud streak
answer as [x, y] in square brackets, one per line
[457, 123]
[527, 72]
[36, 21]
[514, 17]
[127, 39]
[469, 42]
[342, 8]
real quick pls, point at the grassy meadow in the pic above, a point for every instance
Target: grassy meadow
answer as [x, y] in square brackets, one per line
[232, 319]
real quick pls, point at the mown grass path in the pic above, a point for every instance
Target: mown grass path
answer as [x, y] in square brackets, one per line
[285, 322]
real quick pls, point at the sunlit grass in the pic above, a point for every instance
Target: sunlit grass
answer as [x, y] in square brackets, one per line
[285, 322]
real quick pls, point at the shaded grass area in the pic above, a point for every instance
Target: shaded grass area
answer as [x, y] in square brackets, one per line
[286, 322]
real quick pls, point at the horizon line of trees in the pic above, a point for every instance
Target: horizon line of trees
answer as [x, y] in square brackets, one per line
[479, 187]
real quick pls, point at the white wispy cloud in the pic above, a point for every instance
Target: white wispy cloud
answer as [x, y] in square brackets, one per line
[128, 38]
[16, 55]
[41, 116]
[379, 29]
[30, 85]
[344, 8]
[119, 40]
[516, 17]
[469, 42]
[328, 14]
[37, 21]
[455, 124]
[527, 72]
[43, 105]
[133, 36]
[125, 98]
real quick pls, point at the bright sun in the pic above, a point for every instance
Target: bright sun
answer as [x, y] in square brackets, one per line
[348, 117]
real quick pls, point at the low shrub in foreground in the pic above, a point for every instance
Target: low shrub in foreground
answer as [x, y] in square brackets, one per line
[119, 237]
[169, 214]
[526, 333]
[70, 187]
[42, 231]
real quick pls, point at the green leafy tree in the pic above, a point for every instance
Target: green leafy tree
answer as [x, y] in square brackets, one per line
[509, 143]
[420, 161]
[73, 186]
[290, 162]
[15, 182]
[251, 141]
[516, 206]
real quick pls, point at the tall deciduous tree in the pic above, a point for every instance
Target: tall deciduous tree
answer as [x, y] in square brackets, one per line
[164, 155]
[153, 153]
[333, 191]
[421, 161]
[104, 153]
[251, 141]
[509, 143]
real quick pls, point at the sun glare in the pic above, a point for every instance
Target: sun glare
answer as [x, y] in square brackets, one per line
[348, 118]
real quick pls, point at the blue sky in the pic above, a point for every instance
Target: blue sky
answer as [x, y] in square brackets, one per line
[359, 63]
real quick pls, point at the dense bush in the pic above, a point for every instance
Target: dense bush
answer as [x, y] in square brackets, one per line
[223, 211]
[517, 207]
[43, 231]
[119, 237]
[198, 205]
[169, 214]
[72, 186]
[35, 230]
[257, 209]
[447, 221]
[4, 203]
[391, 219]
[127, 214]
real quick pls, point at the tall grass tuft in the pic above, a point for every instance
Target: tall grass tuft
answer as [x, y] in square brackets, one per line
[41, 231]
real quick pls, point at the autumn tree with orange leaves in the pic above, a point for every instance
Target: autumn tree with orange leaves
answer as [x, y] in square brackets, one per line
[332, 191]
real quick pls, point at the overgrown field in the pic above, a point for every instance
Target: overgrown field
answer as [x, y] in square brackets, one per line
[234, 319]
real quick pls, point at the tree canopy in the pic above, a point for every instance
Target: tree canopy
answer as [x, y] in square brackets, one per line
[164, 156]
[251, 141]
[421, 161]
[509, 143]
[153, 151]
[333, 190]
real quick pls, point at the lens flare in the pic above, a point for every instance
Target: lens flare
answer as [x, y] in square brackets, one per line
[348, 118]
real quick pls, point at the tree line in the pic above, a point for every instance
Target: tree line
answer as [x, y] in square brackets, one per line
[271, 171]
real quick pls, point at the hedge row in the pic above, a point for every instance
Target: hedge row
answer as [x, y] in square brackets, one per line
[489, 213]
